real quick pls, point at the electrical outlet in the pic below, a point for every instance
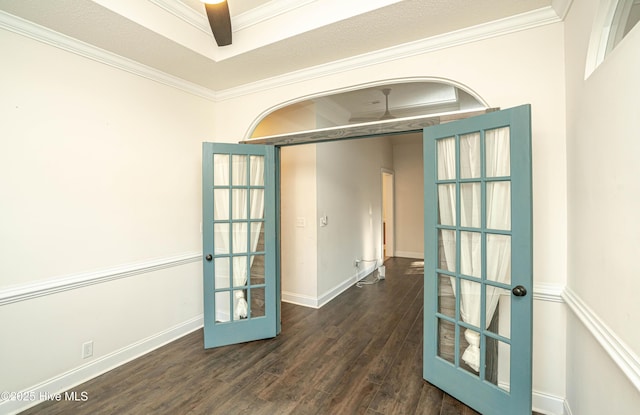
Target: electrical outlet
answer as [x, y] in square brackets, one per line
[87, 349]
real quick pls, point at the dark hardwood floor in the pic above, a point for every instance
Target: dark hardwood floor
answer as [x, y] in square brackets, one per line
[359, 354]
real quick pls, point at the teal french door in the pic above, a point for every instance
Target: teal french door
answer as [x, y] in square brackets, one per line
[239, 243]
[478, 260]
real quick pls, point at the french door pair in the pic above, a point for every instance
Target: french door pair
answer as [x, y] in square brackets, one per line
[478, 255]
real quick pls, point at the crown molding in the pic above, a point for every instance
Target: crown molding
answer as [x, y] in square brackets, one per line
[184, 13]
[266, 11]
[42, 34]
[524, 21]
[242, 21]
[561, 7]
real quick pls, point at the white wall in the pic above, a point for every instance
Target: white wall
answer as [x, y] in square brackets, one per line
[350, 195]
[409, 176]
[339, 180]
[604, 197]
[101, 177]
[299, 224]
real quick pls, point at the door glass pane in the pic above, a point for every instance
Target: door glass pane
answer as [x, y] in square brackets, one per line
[257, 203]
[257, 302]
[470, 156]
[221, 170]
[221, 204]
[499, 205]
[503, 366]
[446, 299]
[221, 238]
[447, 204]
[447, 250]
[239, 171]
[469, 346]
[239, 237]
[470, 302]
[223, 306]
[499, 258]
[257, 171]
[257, 270]
[240, 271]
[257, 237]
[446, 158]
[470, 205]
[499, 311]
[491, 360]
[471, 254]
[446, 340]
[240, 307]
[222, 273]
[498, 152]
[239, 204]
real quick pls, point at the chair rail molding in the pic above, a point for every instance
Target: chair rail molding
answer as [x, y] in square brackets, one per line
[621, 354]
[35, 289]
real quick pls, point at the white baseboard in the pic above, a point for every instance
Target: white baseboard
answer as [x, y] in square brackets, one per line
[317, 302]
[299, 299]
[548, 404]
[81, 374]
[567, 409]
[409, 254]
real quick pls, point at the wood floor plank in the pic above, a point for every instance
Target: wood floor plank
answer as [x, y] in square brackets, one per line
[401, 389]
[430, 402]
[399, 330]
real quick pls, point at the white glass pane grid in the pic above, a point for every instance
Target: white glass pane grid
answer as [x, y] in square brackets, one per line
[227, 257]
[466, 176]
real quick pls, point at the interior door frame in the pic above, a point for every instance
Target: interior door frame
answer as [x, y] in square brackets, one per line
[350, 132]
[389, 233]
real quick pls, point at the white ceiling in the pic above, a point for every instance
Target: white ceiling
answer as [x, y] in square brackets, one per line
[270, 38]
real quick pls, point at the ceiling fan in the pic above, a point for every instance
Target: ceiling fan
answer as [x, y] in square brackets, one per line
[219, 20]
[387, 114]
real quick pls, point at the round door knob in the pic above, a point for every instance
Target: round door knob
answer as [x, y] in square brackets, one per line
[209, 257]
[519, 291]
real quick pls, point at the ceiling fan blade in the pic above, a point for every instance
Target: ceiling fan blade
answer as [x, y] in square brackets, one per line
[220, 22]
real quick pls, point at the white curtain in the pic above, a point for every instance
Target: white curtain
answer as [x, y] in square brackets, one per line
[246, 204]
[498, 216]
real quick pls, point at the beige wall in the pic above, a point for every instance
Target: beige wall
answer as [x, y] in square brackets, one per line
[409, 195]
[603, 200]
